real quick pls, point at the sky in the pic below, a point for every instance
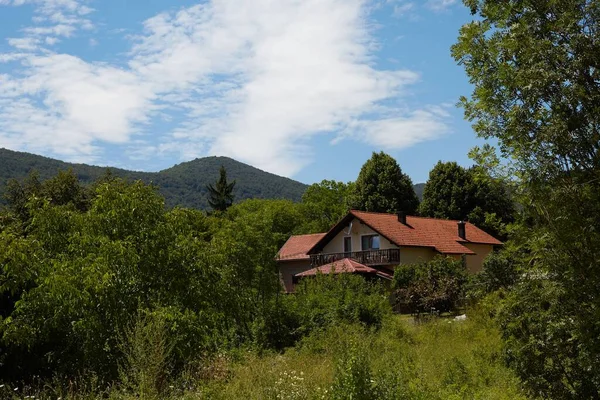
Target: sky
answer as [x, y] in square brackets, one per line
[306, 89]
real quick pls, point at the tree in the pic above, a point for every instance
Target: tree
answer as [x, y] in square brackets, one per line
[448, 193]
[454, 192]
[324, 204]
[534, 67]
[220, 196]
[382, 187]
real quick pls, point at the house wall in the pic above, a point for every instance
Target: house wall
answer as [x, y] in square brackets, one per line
[336, 245]
[287, 269]
[475, 262]
[414, 255]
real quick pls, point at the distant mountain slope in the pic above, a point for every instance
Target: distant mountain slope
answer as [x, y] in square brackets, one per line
[183, 185]
[419, 187]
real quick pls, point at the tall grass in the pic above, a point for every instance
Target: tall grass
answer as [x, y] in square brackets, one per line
[440, 359]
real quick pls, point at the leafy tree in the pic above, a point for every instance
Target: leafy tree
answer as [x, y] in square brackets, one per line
[17, 194]
[448, 192]
[536, 91]
[324, 204]
[382, 187]
[436, 284]
[454, 192]
[220, 196]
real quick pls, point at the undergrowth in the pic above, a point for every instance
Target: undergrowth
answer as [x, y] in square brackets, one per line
[440, 359]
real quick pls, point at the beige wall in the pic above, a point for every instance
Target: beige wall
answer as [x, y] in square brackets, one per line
[287, 269]
[413, 255]
[475, 262]
[336, 245]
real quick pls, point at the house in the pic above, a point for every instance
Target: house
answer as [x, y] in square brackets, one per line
[370, 243]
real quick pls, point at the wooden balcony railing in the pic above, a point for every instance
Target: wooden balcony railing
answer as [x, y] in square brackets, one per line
[367, 257]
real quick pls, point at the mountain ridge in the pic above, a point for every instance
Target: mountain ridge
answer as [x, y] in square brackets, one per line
[183, 184]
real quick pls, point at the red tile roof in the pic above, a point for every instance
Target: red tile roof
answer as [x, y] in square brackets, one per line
[297, 247]
[439, 234]
[345, 265]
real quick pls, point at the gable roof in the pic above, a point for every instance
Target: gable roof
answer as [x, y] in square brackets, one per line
[345, 265]
[439, 234]
[297, 247]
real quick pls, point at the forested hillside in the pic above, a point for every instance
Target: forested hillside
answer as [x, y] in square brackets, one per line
[181, 185]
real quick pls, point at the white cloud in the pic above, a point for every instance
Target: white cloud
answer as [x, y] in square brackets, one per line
[440, 5]
[251, 80]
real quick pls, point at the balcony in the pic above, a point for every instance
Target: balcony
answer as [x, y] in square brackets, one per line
[367, 257]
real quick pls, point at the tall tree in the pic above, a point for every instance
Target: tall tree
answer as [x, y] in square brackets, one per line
[220, 196]
[534, 67]
[454, 192]
[382, 187]
[324, 204]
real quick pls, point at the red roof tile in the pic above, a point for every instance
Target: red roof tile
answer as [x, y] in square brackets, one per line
[345, 265]
[439, 234]
[297, 247]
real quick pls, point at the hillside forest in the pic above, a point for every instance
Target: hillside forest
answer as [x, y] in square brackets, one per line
[106, 292]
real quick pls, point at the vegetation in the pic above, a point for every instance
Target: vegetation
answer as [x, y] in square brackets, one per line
[454, 192]
[220, 195]
[436, 285]
[536, 91]
[382, 187]
[181, 185]
[324, 204]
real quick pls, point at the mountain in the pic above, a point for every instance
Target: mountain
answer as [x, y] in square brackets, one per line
[419, 187]
[181, 185]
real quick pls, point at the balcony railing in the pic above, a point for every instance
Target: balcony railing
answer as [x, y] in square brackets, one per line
[367, 257]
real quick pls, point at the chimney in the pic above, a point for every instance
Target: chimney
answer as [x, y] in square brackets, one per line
[402, 217]
[462, 232]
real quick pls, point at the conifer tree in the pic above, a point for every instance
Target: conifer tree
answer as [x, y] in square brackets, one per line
[220, 196]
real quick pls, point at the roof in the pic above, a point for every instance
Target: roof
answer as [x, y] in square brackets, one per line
[439, 234]
[345, 265]
[297, 247]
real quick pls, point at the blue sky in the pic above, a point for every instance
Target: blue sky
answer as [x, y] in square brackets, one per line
[301, 88]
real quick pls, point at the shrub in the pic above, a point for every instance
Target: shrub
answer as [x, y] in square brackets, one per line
[147, 348]
[436, 284]
[329, 299]
[352, 379]
[500, 270]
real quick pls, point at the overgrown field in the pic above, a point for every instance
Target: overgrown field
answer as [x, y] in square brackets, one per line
[438, 359]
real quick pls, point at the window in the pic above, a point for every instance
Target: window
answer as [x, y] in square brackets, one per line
[370, 242]
[348, 244]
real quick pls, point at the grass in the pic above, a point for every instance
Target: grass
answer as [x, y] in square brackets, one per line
[440, 359]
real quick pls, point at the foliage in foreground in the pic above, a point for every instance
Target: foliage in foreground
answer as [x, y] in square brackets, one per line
[441, 359]
[535, 91]
[432, 285]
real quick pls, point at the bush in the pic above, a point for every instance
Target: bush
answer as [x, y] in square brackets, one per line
[329, 299]
[500, 270]
[436, 284]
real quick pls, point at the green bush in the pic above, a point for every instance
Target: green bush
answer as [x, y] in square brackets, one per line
[329, 299]
[433, 285]
[500, 271]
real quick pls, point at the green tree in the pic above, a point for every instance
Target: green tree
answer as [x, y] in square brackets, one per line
[382, 187]
[220, 196]
[535, 74]
[454, 192]
[324, 204]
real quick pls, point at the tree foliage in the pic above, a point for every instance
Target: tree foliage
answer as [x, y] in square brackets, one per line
[454, 192]
[436, 284]
[220, 195]
[324, 204]
[534, 69]
[382, 187]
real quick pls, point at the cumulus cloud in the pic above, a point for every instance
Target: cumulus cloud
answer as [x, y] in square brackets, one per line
[251, 80]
